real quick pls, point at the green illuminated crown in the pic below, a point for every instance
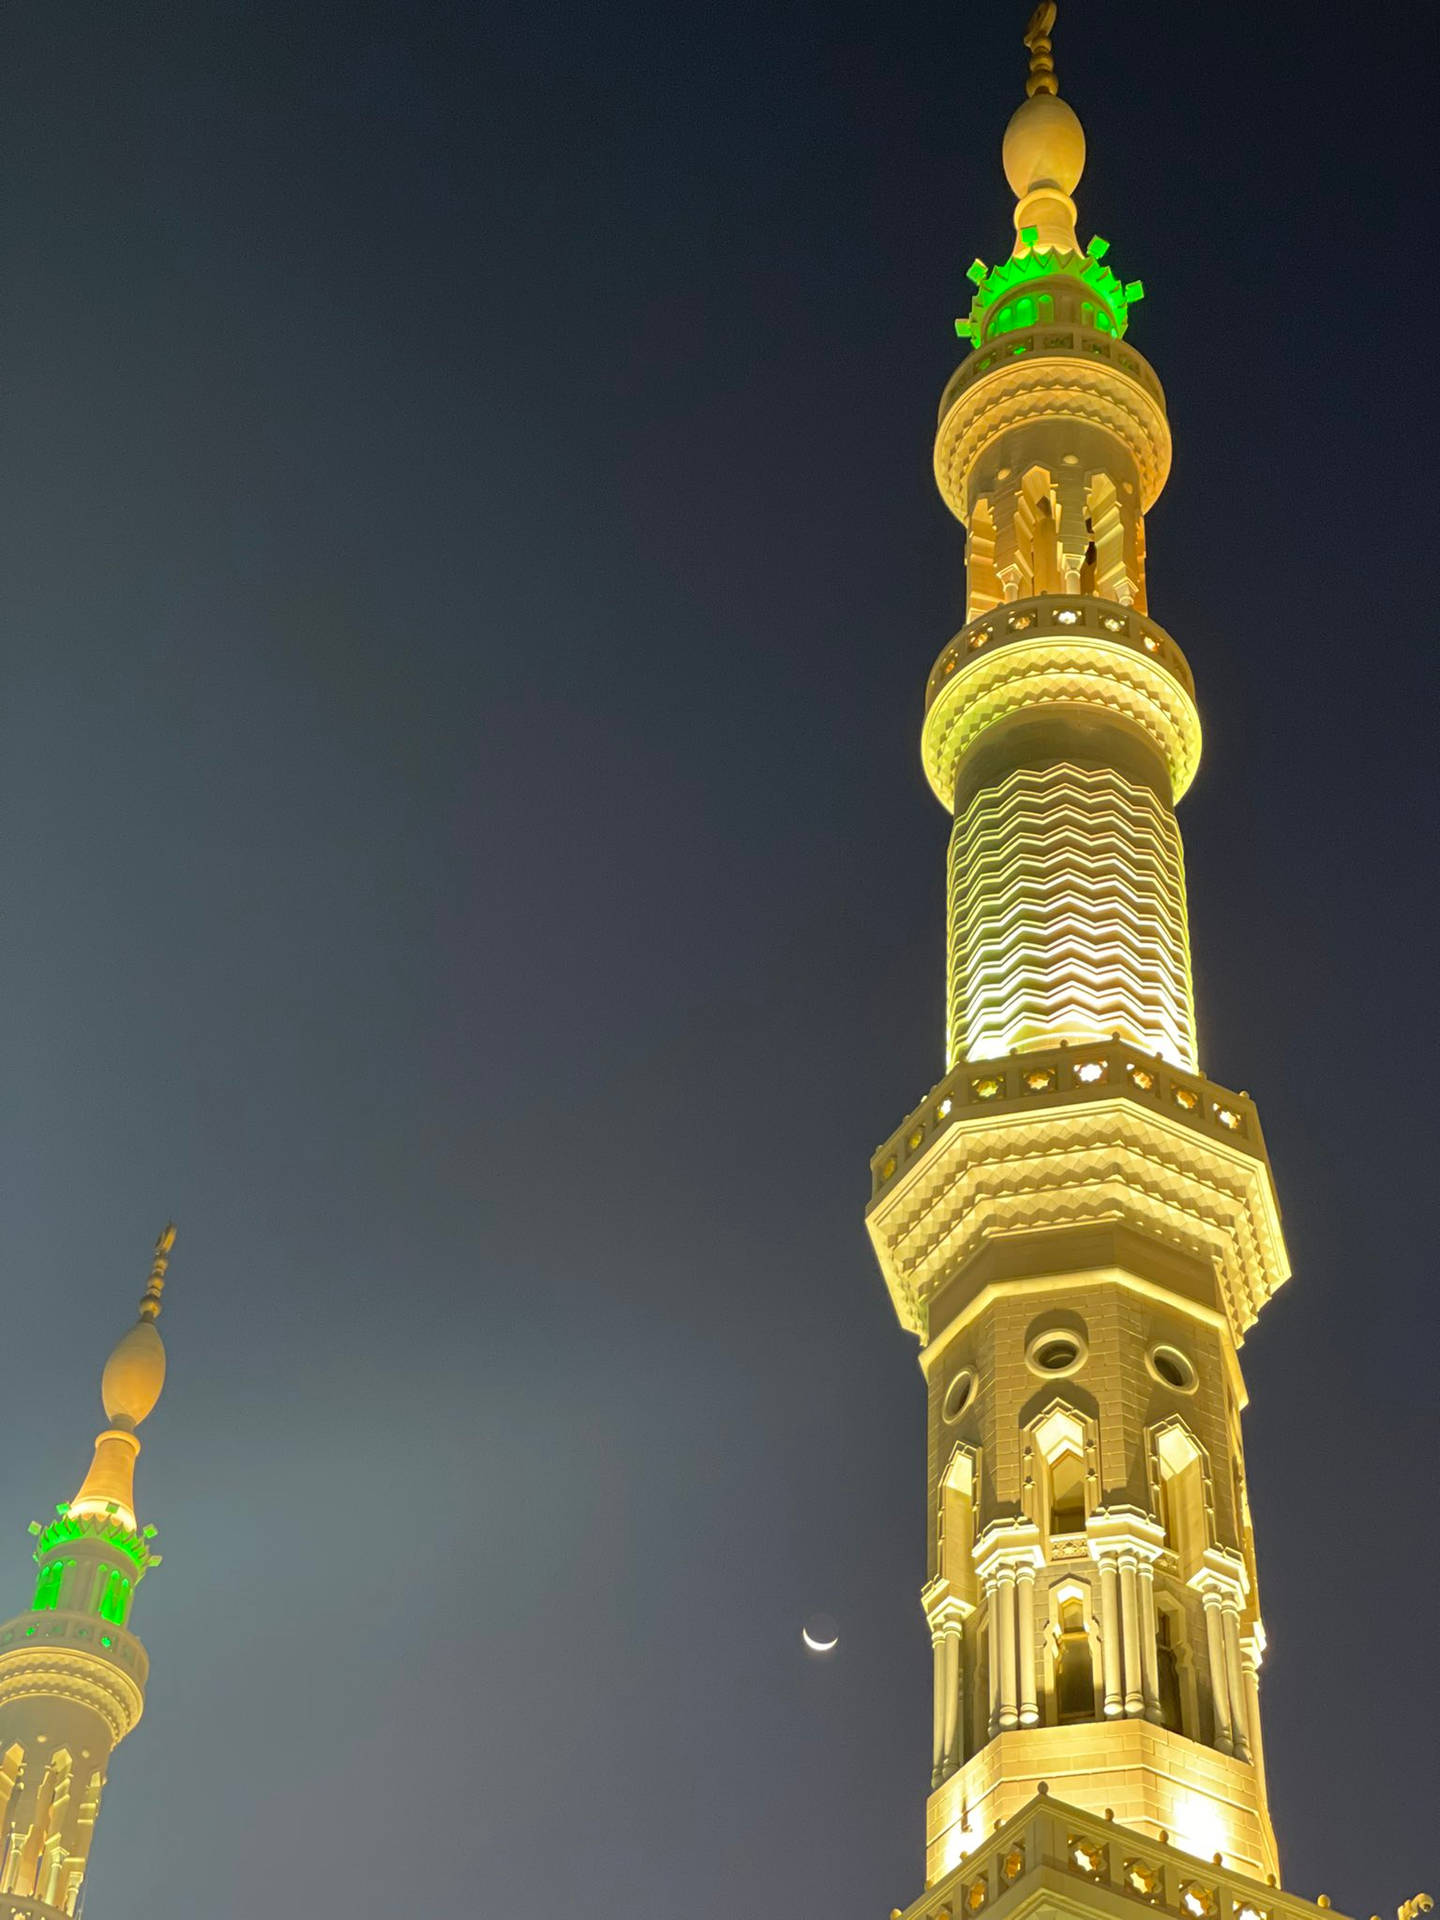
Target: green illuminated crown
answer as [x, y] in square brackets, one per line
[996, 288]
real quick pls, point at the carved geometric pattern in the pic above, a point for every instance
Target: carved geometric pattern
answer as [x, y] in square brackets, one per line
[1052, 671]
[1076, 1166]
[87, 1679]
[1032, 390]
[1067, 917]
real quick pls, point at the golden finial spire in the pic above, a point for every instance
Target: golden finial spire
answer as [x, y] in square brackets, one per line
[1044, 151]
[155, 1286]
[129, 1387]
[1037, 38]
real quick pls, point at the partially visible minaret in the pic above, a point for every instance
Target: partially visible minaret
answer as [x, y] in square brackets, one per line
[72, 1675]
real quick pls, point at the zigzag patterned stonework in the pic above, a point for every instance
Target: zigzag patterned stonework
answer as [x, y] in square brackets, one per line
[1067, 917]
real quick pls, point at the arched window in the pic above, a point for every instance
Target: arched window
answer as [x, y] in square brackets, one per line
[1182, 1496]
[1168, 1671]
[115, 1598]
[984, 586]
[1025, 312]
[1059, 1457]
[957, 1523]
[1046, 308]
[1004, 320]
[49, 1585]
[1037, 538]
[1067, 1494]
[1074, 1669]
[1103, 322]
[1087, 313]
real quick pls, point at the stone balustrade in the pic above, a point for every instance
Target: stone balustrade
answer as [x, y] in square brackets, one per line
[1061, 1077]
[1049, 1846]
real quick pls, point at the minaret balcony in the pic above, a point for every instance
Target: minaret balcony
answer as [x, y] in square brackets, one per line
[82, 1631]
[1049, 374]
[1059, 651]
[1056, 342]
[1072, 1136]
[79, 1656]
[1062, 1857]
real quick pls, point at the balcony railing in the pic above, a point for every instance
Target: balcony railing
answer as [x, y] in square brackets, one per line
[1064, 1077]
[1050, 1843]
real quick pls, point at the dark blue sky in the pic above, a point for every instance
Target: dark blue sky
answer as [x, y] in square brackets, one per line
[469, 567]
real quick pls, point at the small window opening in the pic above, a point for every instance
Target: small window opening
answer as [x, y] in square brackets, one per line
[1168, 1665]
[1074, 1673]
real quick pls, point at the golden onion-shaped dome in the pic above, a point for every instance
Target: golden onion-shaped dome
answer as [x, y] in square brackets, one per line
[1044, 146]
[134, 1375]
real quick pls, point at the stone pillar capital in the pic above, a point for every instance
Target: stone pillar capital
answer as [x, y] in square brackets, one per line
[1253, 1642]
[945, 1611]
[1126, 1533]
[1005, 1546]
[1221, 1578]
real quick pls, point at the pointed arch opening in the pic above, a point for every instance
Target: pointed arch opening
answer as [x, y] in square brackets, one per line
[1180, 1474]
[1072, 1631]
[1062, 1472]
[955, 1521]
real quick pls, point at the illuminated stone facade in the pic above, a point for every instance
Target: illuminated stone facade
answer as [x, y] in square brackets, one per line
[72, 1675]
[1079, 1226]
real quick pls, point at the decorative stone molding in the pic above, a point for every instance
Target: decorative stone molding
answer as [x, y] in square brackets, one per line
[1029, 660]
[1114, 1157]
[1026, 383]
[64, 1673]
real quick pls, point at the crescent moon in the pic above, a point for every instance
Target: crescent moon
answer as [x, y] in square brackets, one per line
[819, 1646]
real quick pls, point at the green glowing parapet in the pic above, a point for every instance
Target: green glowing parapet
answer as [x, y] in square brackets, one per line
[96, 1526]
[1001, 291]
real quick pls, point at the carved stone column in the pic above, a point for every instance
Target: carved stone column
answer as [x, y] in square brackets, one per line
[1219, 1680]
[1130, 1626]
[946, 1613]
[1235, 1678]
[1149, 1651]
[1025, 1625]
[1009, 1675]
[1005, 1551]
[1110, 1636]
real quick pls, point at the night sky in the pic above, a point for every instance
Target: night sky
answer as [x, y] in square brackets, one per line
[470, 564]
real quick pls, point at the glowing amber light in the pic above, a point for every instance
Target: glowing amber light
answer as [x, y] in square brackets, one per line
[914, 1137]
[1086, 1856]
[1187, 1098]
[1142, 1078]
[987, 1088]
[1142, 1878]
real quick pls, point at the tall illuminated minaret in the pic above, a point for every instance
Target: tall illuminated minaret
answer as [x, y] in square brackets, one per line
[1078, 1223]
[72, 1675]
